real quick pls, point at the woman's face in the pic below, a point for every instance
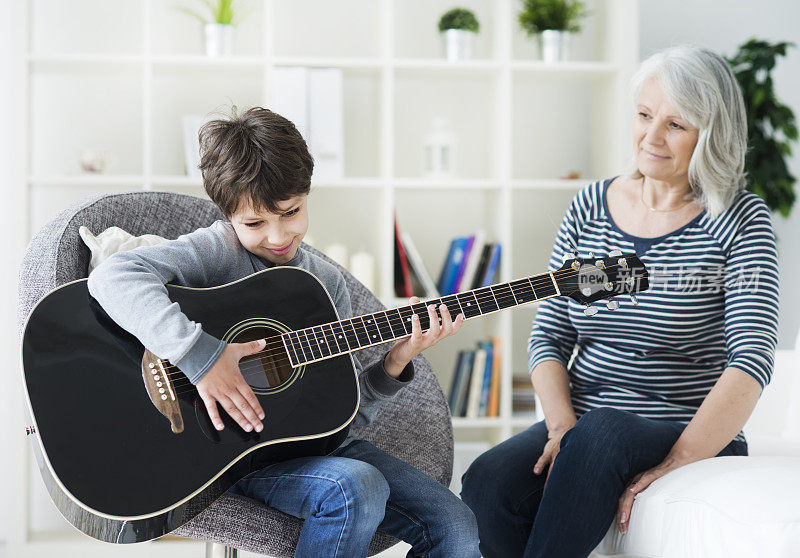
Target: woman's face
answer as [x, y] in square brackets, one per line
[663, 141]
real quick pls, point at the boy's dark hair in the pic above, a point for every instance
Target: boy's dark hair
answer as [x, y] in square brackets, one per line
[256, 156]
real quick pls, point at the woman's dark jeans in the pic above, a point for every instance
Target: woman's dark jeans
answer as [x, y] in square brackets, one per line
[599, 456]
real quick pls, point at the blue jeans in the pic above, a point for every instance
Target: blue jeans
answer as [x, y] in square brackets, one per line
[345, 497]
[518, 516]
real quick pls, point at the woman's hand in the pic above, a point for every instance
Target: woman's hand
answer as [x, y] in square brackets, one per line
[551, 449]
[407, 348]
[638, 484]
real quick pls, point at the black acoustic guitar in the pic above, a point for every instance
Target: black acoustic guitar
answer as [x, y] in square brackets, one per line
[122, 438]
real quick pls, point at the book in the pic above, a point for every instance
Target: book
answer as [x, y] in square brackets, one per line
[473, 258]
[418, 268]
[191, 124]
[476, 383]
[463, 264]
[450, 267]
[326, 121]
[313, 99]
[452, 397]
[492, 266]
[402, 274]
[483, 261]
[523, 397]
[463, 384]
[483, 405]
[494, 388]
[290, 96]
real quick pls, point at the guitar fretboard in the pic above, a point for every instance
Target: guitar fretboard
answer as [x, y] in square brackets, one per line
[336, 338]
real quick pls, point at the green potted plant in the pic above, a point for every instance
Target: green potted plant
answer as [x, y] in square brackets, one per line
[218, 18]
[458, 28]
[552, 21]
[771, 127]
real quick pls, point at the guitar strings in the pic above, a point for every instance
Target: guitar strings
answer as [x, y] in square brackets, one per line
[308, 347]
[258, 370]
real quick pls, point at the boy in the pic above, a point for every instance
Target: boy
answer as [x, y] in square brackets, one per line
[257, 170]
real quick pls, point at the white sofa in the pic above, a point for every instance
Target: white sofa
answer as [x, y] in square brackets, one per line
[729, 507]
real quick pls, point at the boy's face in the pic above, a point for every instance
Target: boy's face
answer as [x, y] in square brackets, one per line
[272, 236]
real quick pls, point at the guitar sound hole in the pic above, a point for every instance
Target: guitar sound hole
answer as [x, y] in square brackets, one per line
[270, 367]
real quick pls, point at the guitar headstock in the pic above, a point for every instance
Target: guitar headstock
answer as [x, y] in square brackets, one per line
[586, 280]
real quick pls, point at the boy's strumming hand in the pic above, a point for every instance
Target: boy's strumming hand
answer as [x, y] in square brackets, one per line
[224, 384]
[407, 348]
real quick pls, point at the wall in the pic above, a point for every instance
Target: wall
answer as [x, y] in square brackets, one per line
[723, 26]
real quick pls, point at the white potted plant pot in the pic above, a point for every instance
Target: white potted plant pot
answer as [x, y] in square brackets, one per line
[218, 39]
[554, 46]
[458, 44]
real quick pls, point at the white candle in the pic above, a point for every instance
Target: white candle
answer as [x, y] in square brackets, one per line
[362, 266]
[338, 253]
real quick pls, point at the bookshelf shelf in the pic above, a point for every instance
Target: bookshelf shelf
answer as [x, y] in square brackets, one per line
[461, 422]
[131, 69]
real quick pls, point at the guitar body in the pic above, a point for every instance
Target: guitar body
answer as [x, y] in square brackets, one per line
[113, 463]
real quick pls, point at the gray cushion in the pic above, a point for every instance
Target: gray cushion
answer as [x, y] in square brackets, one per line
[414, 427]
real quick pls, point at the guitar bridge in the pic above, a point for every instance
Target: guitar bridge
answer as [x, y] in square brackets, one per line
[161, 391]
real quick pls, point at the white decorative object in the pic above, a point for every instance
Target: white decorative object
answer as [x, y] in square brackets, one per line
[362, 266]
[338, 253]
[92, 161]
[458, 44]
[554, 46]
[439, 150]
[218, 39]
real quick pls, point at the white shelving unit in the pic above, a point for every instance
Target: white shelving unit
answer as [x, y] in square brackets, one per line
[117, 75]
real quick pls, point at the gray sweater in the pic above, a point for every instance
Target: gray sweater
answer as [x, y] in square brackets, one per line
[130, 288]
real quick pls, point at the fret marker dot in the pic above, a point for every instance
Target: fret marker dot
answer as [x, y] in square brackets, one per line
[373, 337]
[469, 304]
[340, 337]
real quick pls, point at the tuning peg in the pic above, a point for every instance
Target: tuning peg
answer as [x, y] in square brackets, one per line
[590, 311]
[634, 300]
[612, 304]
[615, 253]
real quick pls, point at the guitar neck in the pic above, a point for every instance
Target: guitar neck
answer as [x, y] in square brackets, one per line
[336, 338]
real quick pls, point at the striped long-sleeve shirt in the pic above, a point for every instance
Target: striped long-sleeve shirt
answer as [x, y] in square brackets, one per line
[712, 304]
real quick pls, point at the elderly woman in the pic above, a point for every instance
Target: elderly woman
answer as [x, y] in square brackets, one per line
[664, 383]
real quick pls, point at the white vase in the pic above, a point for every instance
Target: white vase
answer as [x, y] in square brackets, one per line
[218, 39]
[458, 44]
[439, 146]
[554, 45]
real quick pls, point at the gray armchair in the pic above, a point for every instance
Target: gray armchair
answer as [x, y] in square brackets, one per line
[414, 427]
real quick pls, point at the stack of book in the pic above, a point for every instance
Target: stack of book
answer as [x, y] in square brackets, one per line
[475, 389]
[410, 275]
[523, 397]
[471, 263]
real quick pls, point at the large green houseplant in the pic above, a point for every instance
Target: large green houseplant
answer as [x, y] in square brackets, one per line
[771, 126]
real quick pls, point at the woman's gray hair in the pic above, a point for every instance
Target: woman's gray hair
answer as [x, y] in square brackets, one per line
[703, 88]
